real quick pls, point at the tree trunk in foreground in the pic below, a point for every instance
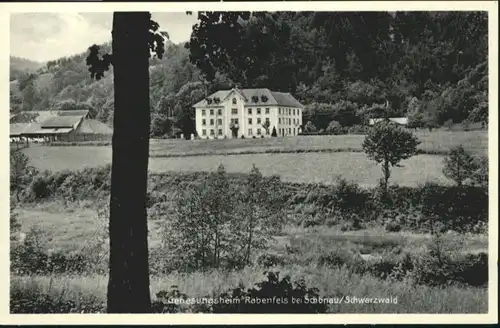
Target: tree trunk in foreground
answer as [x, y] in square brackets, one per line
[128, 287]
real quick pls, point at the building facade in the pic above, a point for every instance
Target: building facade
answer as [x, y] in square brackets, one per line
[248, 113]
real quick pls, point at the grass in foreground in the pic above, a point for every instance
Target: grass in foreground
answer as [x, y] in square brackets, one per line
[331, 282]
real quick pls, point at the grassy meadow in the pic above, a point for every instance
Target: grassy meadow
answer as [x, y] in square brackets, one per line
[70, 230]
[435, 142]
[337, 155]
[338, 261]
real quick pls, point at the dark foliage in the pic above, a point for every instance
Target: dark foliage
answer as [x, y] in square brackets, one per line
[272, 296]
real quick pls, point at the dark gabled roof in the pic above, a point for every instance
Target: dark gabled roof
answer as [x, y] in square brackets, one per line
[273, 98]
[286, 99]
[82, 113]
[61, 122]
[18, 129]
[90, 126]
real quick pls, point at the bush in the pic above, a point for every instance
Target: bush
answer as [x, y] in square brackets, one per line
[162, 303]
[284, 291]
[242, 219]
[357, 129]
[459, 166]
[347, 197]
[480, 176]
[270, 260]
[338, 258]
[455, 208]
[334, 128]
[43, 303]
[392, 226]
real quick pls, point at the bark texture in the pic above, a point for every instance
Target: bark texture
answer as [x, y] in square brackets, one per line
[128, 287]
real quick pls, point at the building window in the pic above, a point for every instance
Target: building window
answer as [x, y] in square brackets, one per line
[289, 130]
[212, 132]
[234, 100]
[267, 110]
[219, 121]
[279, 110]
[267, 119]
[289, 121]
[250, 121]
[204, 132]
[212, 121]
[220, 132]
[249, 132]
[279, 120]
[234, 111]
[250, 111]
[211, 112]
[219, 112]
[258, 120]
[203, 122]
[203, 112]
[258, 111]
[258, 132]
[234, 120]
[294, 111]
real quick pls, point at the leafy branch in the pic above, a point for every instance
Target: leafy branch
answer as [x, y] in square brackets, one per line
[98, 65]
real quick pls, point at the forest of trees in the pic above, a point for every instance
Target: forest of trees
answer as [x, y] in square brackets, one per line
[345, 67]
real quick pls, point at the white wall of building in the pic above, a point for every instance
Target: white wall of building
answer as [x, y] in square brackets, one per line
[285, 119]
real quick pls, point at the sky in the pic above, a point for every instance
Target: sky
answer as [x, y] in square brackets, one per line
[47, 36]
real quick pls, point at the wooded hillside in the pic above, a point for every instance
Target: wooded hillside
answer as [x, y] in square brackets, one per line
[429, 66]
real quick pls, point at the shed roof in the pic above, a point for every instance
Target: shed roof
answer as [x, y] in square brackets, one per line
[61, 122]
[398, 120]
[91, 126]
[82, 113]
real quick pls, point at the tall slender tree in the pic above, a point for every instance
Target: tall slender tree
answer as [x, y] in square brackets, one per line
[135, 35]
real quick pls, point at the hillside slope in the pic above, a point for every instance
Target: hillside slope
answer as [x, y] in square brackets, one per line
[20, 66]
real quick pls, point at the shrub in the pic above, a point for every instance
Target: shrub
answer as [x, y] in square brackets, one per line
[274, 133]
[459, 166]
[456, 208]
[28, 301]
[334, 128]
[338, 257]
[20, 172]
[480, 176]
[219, 224]
[309, 127]
[272, 296]
[392, 226]
[347, 197]
[270, 260]
[357, 129]
[163, 303]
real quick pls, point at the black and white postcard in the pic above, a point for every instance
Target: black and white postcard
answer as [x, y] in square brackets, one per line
[250, 162]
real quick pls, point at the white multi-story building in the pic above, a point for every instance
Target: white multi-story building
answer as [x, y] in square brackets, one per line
[244, 112]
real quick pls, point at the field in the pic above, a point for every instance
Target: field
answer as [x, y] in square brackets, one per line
[301, 167]
[68, 230]
[79, 228]
[330, 257]
[436, 142]
[341, 155]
